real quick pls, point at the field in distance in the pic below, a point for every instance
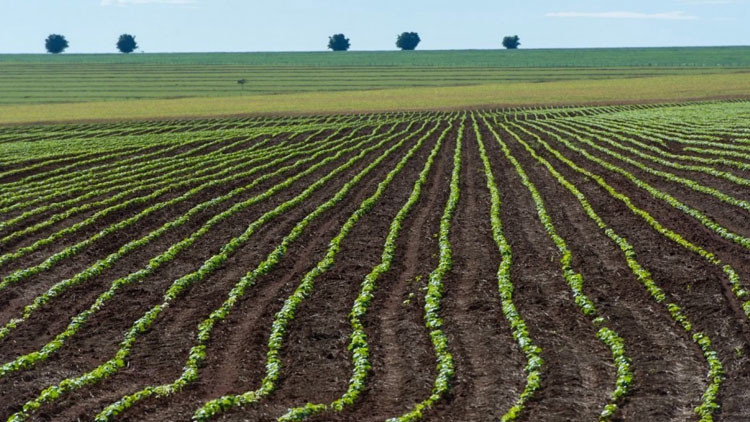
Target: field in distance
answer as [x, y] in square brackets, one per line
[536, 264]
[28, 79]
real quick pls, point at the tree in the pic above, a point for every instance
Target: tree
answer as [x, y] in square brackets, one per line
[126, 43]
[408, 40]
[338, 42]
[55, 43]
[511, 42]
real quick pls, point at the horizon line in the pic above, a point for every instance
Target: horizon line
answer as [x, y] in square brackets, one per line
[372, 51]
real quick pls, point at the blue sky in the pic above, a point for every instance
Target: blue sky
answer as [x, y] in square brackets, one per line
[92, 26]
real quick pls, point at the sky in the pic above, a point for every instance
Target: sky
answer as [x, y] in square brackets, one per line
[93, 26]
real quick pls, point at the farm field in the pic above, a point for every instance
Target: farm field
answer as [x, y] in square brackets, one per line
[101, 87]
[529, 263]
[33, 79]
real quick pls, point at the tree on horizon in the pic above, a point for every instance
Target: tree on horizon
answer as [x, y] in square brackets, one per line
[126, 43]
[511, 42]
[408, 40]
[338, 42]
[55, 43]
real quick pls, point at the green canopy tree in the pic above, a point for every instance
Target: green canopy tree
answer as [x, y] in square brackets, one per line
[126, 43]
[511, 42]
[408, 40]
[55, 43]
[338, 42]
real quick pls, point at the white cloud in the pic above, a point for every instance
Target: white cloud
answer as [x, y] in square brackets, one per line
[680, 16]
[129, 2]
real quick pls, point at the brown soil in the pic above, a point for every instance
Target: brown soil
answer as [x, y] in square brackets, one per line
[669, 370]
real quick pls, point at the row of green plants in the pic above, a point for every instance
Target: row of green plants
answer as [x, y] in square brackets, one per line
[183, 283]
[138, 176]
[532, 352]
[229, 175]
[710, 170]
[658, 194]
[575, 281]
[585, 138]
[434, 297]
[223, 167]
[733, 278]
[303, 291]
[158, 261]
[358, 344]
[197, 353]
[709, 403]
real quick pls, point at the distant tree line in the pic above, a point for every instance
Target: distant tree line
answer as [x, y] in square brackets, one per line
[56, 43]
[406, 41]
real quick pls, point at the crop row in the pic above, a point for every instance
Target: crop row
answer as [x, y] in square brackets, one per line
[305, 288]
[716, 372]
[179, 285]
[575, 281]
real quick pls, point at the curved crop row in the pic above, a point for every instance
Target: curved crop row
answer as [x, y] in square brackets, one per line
[531, 351]
[358, 345]
[230, 174]
[669, 199]
[197, 353]
[178, 286]
[742, 294]
[434, 297]
[574, 279]
[284, 316]
[709, 403]
[156, 262]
